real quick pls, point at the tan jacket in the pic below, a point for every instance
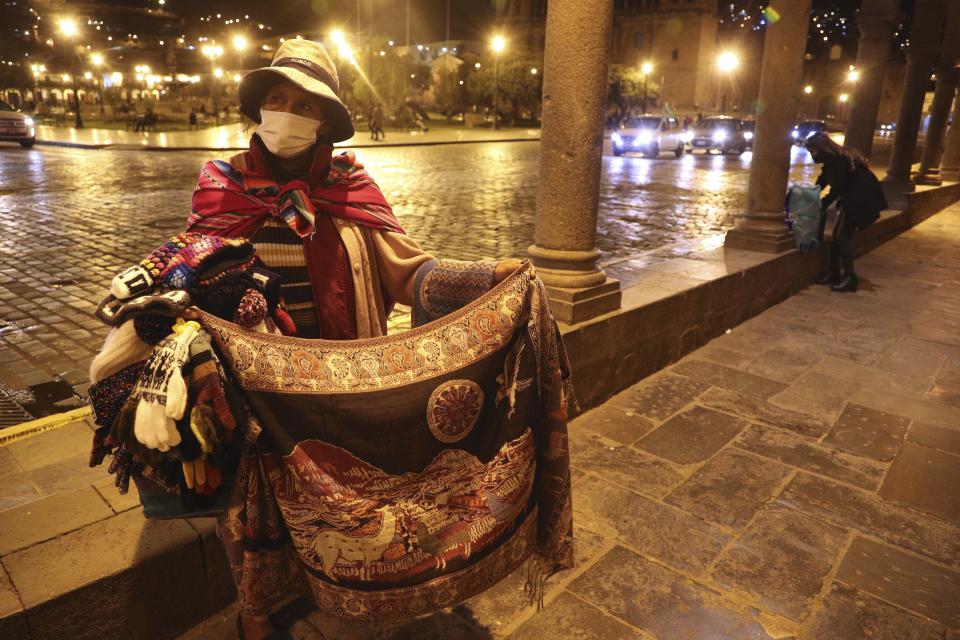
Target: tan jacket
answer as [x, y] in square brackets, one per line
[381, 261]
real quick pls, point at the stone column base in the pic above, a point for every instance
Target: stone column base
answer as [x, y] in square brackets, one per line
[578, 290]
[929, 177]
[896, 193]
[950, 175]
[763, 239]
[578, 305]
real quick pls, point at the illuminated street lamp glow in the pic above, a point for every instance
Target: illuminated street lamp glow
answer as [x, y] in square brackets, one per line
[239, 42]
[808, 89]
[534, 71]
[727, 61]
[844, 97]
[87, 75]
[65, 77]
[117, 77]
[498, 44]
[476, 66]
[853, 75]
[646, 68]
[218, 72]
[336, 36]
[96, 59]
[236, 77]
[68, 27]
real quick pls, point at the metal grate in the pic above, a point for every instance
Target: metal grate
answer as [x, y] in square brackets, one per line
[11, 413]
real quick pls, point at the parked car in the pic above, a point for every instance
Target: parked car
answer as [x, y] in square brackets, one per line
[749, 127]
[16, 126]
[649, 134]
[806, 128]
[887, 128]
[719, 133]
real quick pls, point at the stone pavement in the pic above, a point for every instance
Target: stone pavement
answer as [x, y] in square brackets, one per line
[236, 136]
[795, 478]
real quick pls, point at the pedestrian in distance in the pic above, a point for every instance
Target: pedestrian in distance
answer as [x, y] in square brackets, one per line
[859, 199]
[193, 120]
[376, 123]
[320, 221]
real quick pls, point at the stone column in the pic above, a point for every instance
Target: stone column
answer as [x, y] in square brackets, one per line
[950, 167]
[575, 63]
[781, 73]
[929, 172]
[875, 22]
[924, 41]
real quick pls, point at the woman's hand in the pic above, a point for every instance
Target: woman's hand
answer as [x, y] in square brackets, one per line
[505, 268]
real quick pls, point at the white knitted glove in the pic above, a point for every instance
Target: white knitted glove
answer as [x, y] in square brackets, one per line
[162, 391]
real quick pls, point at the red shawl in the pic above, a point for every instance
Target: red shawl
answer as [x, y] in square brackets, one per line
[235, 202]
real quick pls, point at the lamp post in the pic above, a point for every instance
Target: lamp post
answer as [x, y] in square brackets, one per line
[646, 68]
[240, 44]
[213, 52]
[68, 29]
[726, 63]
[498, 44]
[97, 61]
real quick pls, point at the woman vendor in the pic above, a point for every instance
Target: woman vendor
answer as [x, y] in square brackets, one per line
[317, 219]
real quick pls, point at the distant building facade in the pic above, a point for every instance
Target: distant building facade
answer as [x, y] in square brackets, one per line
[678, 37]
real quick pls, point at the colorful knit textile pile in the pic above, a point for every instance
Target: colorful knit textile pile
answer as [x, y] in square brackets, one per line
[165, 409]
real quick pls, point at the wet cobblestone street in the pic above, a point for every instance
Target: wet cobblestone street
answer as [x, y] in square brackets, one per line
[71, 218]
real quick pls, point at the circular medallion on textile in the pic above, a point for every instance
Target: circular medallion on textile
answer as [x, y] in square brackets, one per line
[453, 409]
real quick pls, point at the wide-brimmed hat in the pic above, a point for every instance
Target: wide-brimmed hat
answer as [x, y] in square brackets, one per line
[307, 65]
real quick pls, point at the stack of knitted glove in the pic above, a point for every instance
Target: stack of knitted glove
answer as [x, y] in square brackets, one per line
[166, 411]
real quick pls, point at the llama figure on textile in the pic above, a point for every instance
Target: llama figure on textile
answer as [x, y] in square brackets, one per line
[332, 545]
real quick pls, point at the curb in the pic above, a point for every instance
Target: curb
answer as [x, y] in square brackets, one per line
[364, 145]
[40, 425]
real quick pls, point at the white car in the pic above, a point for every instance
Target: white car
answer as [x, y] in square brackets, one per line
[648, 135]
[16, 126]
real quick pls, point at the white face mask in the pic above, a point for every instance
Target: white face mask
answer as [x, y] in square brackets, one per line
[286, 134]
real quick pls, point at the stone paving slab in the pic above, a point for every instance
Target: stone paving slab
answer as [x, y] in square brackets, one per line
[781, 559]
[926, 479]
[848, 614]
[867, 512]
[904, 580]
[730, 488]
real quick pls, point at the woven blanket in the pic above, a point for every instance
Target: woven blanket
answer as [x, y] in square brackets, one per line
[399, 475]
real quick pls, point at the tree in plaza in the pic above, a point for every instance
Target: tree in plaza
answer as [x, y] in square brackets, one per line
[520, 84]
[394, 79]
[626, 89]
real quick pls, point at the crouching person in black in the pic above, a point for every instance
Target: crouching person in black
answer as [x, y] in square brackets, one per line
[859, 199]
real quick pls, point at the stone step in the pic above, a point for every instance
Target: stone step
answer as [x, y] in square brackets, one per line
[80, 561]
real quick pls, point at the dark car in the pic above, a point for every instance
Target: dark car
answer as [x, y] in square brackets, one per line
[719, 133]
[806, 128]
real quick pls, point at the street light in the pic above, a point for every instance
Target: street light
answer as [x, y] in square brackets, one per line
[240, 44]
[69, 30]
[498, 44]
[726, 63]
[213, 52]
[96, 60]
[808, 89]
[646, 69]
[853, 75]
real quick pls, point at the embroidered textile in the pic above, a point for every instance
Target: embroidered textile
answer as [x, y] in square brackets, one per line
[406, 472]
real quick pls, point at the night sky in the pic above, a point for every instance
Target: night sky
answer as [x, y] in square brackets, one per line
[470, 19]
